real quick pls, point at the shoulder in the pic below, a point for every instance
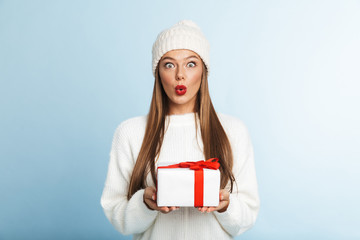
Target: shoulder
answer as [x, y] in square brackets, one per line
[134, 122]
[132, 126]
[231, 122]
[233, 126]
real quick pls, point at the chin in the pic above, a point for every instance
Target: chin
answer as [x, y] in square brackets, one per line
[177, 102]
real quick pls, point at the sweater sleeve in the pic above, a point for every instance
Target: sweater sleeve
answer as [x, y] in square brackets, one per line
[127, 216]
[244, 203]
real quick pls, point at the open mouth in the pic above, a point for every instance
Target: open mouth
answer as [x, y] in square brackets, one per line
[180, 89]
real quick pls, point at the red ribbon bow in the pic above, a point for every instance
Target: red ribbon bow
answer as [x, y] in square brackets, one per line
[198, 167]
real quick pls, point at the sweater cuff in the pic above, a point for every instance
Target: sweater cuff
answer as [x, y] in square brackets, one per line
[139, 199]
[225, 218]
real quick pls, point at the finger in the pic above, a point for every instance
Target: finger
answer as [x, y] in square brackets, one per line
[149, 192]
[164, 209]
[204, 209]
[173, 208]
[211, 209]
[149, 199]
[155, 194]
[150, 196]
[224, 195]
[223, 205]
[151, 204]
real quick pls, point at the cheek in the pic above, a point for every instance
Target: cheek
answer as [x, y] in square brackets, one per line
[164, 79]
[166, 83]
[197, 79]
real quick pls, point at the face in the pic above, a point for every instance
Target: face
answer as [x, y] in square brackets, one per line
[180, 74]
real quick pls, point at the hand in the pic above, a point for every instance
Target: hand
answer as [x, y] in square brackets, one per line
[223, 204]
[150, 201]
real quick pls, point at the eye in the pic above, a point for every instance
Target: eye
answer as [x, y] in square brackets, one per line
[191, 64]
[168, 65]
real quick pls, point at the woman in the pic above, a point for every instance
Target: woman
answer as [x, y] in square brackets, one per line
[181, 125]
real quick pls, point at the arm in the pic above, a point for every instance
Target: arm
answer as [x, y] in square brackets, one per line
[127, 216]
[244, 202]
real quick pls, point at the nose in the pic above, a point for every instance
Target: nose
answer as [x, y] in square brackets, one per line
[180, 74]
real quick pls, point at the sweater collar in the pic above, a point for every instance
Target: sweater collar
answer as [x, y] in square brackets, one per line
[181, 119]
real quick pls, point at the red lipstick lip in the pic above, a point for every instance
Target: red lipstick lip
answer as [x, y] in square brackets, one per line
[180, 89]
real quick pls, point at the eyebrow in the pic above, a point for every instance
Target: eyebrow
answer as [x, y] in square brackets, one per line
[192, 56]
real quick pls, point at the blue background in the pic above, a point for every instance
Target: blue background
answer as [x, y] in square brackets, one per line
[71, 71]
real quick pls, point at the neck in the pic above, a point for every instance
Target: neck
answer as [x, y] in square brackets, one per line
[179, 109]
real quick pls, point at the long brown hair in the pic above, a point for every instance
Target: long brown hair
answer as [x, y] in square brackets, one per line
[216, 143]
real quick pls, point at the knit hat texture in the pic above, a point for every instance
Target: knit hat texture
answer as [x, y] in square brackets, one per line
[183, 35]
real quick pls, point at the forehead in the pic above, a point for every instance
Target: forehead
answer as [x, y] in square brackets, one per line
[180, 54]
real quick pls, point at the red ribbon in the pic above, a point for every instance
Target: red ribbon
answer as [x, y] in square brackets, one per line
[198, 167]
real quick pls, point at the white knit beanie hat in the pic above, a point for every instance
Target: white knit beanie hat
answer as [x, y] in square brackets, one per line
[183, 35]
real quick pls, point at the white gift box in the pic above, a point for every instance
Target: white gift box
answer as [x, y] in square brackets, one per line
[176, 187]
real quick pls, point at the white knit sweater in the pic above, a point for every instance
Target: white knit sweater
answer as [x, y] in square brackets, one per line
[179, 144]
